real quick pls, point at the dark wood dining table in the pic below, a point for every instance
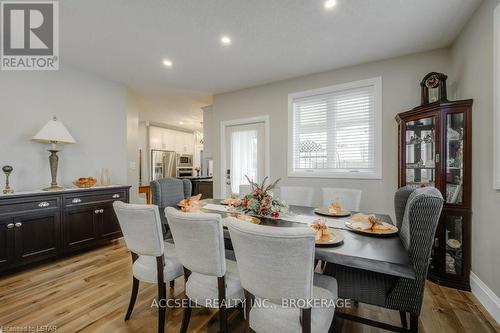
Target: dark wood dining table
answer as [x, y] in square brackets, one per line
[385, 255]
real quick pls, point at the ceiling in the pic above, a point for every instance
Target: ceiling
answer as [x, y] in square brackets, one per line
[127, 40]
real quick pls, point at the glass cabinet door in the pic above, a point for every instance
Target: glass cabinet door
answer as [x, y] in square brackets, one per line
[454, 158]
[420, 151]
[454, 240]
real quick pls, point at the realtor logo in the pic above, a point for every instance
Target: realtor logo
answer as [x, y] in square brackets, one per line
[29, 35]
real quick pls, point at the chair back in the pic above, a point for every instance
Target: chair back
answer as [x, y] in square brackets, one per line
[349, 198]
[141, 228]
[274, 263]
[420, 220]
[297, 195]
[199, 241]
[244, 189]
[400, 200]
[167, 192]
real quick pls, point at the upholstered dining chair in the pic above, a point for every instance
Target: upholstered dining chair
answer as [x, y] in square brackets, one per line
[211, 280]
[276, 264]
[297, 195]
[349, 198]
[244, 189]
[418, 226]
[167, 192]
[153, 261]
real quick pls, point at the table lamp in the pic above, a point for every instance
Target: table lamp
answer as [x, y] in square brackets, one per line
[54, 133]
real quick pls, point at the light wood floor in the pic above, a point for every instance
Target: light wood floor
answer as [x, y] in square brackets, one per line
[90, 293]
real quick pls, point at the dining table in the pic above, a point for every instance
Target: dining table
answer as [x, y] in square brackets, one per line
[380, 254]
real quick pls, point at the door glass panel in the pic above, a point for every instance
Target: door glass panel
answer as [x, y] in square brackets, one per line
[454, 241]
[454, 157]
[420, 152]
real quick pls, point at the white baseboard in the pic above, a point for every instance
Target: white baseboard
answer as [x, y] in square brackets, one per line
[485, 296]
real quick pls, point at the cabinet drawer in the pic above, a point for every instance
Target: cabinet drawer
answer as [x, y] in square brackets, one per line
[80, 199]
[28, 204]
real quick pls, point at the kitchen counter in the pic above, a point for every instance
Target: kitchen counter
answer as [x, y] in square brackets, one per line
[195, 178]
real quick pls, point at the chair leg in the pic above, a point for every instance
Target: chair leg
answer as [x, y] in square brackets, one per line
[222, 306]
[162, 293]
[133, 297]
[186, 316]
[249, 298]
[172, 284]
[306, 320]
[333, 325]
[413, 323]
[404, 320]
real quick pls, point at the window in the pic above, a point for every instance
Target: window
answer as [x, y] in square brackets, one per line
[335, 132]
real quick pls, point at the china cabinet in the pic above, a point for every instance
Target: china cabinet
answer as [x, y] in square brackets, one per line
[435, 150]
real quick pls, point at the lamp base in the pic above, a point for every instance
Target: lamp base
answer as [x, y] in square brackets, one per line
[53, 188]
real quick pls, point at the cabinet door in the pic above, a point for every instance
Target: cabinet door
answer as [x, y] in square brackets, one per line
[110, 226]
[456, 228]
[155, 138]
[457, 159]
[37, 235]
[421, 153]
[81, 226]
[6, 242]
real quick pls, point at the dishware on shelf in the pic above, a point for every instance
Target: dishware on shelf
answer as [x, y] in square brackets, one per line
[85, 182]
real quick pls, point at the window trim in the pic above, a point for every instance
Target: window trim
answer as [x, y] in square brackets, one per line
[376, 82]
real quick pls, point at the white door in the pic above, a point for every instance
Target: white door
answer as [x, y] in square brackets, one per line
[245, 155]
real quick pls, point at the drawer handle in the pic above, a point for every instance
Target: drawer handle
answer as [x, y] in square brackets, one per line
[43, 204]
[101, 211]
[19, 224]
[116, 196]
[96, 211]
[76, 200]
[10, 225]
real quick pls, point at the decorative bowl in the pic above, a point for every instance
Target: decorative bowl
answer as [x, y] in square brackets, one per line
[85, 182]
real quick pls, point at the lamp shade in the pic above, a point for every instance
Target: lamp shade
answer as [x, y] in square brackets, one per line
[53, 132]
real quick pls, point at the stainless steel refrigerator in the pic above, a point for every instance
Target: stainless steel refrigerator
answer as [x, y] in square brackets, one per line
[163, 164]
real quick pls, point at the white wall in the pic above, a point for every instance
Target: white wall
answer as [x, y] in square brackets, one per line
[133, 147]
[472, 73]
[401, 91]
[92, 109]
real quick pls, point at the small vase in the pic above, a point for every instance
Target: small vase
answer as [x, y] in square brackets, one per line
[105, 180]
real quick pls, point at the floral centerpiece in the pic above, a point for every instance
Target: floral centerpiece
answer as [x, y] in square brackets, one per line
[260, 200]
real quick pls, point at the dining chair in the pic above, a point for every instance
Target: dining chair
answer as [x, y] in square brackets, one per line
[418, 227]
[211, 280]
[244, 189]
[297, 195]
[349, 198]
[153, 260]
[276, 265]
[167, 192]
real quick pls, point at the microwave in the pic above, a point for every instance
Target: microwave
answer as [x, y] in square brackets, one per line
[184, 161]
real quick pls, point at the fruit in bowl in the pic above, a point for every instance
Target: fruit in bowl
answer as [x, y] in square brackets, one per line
[85, 182]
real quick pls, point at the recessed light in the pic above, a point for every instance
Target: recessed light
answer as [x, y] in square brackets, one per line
[329, 4]
[181, 123]
[225, 40]
[167, 63]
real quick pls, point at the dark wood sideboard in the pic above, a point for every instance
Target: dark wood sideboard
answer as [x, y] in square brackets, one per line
[36, 226]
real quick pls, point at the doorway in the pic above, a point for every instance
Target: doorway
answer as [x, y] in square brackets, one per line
[244, 151]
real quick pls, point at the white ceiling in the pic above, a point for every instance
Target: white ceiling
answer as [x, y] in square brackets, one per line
[126, 40]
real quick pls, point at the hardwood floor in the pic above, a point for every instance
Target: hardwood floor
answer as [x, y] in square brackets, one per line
[90, 293]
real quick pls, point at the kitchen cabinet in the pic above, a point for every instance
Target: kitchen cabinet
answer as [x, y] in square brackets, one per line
[173, 140]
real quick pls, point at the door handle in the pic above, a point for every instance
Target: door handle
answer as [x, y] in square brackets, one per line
[18, 224]
[10, 225]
